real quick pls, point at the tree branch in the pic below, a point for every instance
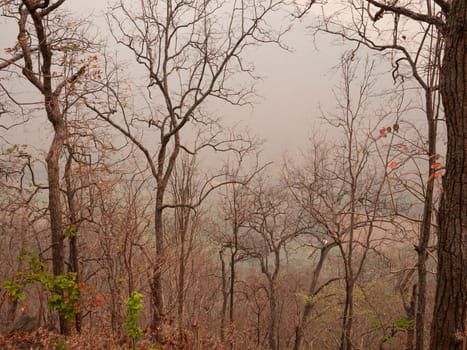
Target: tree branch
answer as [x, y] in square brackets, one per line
[409, 13]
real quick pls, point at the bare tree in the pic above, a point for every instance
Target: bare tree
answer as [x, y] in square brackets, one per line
[39, 38]
[192, 52]
[343, 191]
[448, 327]
[183, 187]
[235, 210]
[272, 226]
[410, 57]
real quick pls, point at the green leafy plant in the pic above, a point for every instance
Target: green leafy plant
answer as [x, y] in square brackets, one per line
[374, 324]
[64, 289]
[65, 294]
[133, 307]
[403, 322]
[70, 231]
[388, 338]
[15, 290]
[59, 344]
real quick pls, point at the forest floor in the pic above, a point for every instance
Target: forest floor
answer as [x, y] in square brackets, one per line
[43, 339]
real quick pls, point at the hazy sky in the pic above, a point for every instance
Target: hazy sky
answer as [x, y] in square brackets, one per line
[295, 83]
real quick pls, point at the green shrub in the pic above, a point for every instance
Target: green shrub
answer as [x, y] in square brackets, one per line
[64, 289]
[133, 307]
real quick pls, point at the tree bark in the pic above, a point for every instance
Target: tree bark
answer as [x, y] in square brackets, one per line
[56, 222]
[272, 337]
[181, 283]
[410, 312]
[156, 286]
[73, 239]
[425, 230]
[449, 318]
[225, 296]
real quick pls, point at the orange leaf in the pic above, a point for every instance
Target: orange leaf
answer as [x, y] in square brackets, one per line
[435, 165]
[392, 165]
[435, 174]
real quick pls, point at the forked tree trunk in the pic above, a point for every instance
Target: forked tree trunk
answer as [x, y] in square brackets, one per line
[165, 165]
[449, 317]
[43, 82]
[312, 290]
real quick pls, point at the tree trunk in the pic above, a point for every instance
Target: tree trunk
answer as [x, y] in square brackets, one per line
[181, 285]
[11, 315]
[425, 230]
[53, 173]
[273, 344]
[233, 255]
[156, 286]
[232, 285]
[225, 296]
[72, 239]
[164, 171]
[449, 317]
[410, 312]
[346, 337]
[311, 292]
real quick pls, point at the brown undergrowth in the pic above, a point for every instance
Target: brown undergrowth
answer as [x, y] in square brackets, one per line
[42, 339]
